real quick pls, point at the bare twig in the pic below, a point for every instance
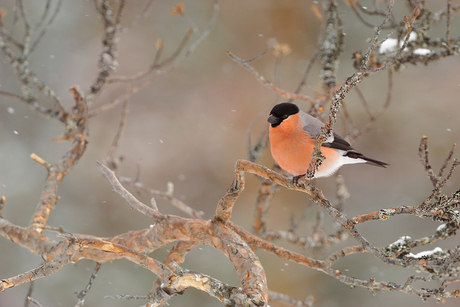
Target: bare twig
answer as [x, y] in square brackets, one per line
[45, 28]
[179, 251]
[256, 57]
[303, 81]
[264, 196]
[164, 72]
[76, 132]
[409, 24]
[365, 103]
[40, 161]
[369, 12]
[374, 116]
[289, 301]
[44, 270]
[133, 202]
[45, 13]
[448, 10]
[29, 294]
[446, 162]
[110, 159]
[254, 151]
[139, 19]
[82, 294]
[164, 195]
[267, 83]
[27, 79]
[127, 297]
[108, 58]
[155, 65]
[31, 299]
[24, 15]
[332, 46]
[423, 154]
[351, 82]
[2, 204]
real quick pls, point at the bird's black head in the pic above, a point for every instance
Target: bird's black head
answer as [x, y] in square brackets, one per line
[280, 112]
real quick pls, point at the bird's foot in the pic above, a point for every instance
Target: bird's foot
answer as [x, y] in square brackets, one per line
[299, 181]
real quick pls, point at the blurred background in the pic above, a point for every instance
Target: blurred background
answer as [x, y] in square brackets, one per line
[189, 128]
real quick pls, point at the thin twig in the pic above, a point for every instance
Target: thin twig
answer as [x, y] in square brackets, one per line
[253, 152]
[29, 293]
[446, 162]
[276, 74]
[268, 83]
[114, 146]
[375, 116]
[339, 95]
[442, 183]
[448, 10]
[165, 195]
[306, 212]
[2, 204]
[257, 56]
[45, 13]
[303, 81]
[423, 154]
[37, 303]
[164, 72]
[45, 28]
[24, 15]
[132, 201]
[353, 8]
[82, 294]
[365, 103]
[265, 194]
[77, 133]
[374, 39]
[409, 23]
[290, 301]
[127, 297]
[139, 19]
[108, 58]
[155, 65]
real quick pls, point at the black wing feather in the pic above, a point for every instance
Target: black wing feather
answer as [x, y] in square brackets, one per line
[341, 144]
[338, 143]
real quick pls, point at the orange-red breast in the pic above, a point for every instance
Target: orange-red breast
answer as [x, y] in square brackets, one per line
[293, 135]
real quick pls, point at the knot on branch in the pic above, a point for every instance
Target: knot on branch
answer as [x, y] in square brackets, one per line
[76, 127]
[386, 213]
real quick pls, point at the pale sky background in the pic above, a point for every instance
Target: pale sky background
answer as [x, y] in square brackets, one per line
[189, 128]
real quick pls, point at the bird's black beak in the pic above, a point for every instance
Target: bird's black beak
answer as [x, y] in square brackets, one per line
[273, 120]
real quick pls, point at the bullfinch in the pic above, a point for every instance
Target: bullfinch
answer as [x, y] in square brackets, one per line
[293, 136]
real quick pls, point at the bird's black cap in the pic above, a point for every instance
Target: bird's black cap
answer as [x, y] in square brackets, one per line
[280, 112]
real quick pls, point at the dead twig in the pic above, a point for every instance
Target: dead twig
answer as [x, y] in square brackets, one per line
[268, 83]
[82, 294]
[110, 158]
[163, 72]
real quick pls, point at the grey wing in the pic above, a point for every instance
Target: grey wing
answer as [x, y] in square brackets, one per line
[313, 127]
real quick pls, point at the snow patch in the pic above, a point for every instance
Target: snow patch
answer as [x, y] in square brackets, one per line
[426, 253]
[400, 241]
[441, 227]
[422, 51]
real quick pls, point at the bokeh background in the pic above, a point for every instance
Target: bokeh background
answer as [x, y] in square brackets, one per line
[189, 128]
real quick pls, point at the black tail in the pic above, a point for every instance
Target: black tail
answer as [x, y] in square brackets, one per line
[357, 155]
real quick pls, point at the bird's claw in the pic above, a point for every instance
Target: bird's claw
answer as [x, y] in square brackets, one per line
[299, 181]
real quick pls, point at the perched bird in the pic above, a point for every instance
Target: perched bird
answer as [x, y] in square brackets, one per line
[293, 136]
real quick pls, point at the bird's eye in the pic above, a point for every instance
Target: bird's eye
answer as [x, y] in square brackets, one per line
[285, 116]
